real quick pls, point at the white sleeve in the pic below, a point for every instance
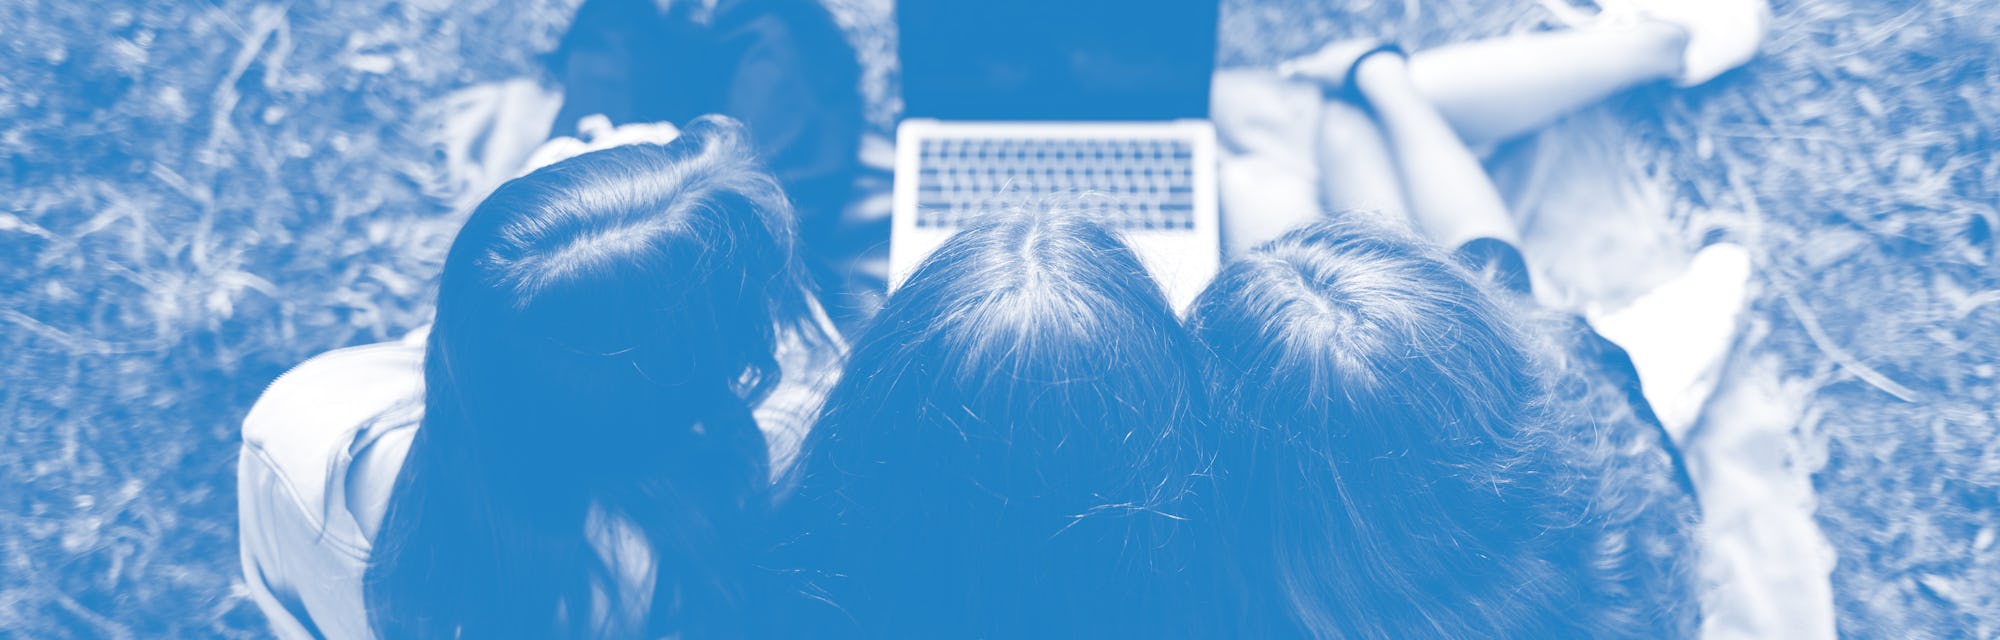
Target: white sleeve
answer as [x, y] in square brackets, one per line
[261, 509]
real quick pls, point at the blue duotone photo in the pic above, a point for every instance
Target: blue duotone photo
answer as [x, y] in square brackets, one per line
[999, 319]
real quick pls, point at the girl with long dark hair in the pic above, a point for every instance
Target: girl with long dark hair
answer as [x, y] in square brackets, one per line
[583, 452]
[1017, 449]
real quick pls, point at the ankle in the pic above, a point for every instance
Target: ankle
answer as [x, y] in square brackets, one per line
[1382, 76]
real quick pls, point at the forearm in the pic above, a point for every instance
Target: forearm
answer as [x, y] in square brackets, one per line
[1496, 89]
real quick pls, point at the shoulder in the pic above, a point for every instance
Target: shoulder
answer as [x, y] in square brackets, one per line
[311, 422]
[330, 394]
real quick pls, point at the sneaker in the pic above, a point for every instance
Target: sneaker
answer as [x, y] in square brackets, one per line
[1680, 333]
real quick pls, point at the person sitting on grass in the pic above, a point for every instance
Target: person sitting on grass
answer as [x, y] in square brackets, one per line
[1344, 149]
[1414, 447]
[1411, 453]
[579, 448]
[1018, 448]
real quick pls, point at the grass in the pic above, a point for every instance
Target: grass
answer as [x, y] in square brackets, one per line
[202, 194]
[1860, 155]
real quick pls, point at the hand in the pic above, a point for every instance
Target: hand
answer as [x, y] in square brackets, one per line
[598, 133]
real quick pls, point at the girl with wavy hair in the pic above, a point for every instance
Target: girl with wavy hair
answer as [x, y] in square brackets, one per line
[1414, 448]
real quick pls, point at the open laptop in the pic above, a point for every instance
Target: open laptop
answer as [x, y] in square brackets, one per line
[1097, 106]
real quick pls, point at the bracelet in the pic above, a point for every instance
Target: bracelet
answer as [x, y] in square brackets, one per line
[1349, 85]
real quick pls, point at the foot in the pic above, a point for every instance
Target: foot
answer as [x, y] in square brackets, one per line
[1722, 34]
[1680, 333]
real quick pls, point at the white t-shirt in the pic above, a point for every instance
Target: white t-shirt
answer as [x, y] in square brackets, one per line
[323, 445]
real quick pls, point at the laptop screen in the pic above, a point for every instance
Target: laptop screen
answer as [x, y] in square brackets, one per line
[1056, 59]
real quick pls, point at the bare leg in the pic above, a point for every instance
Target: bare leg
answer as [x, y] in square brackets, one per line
[1357, 173]
[1493, 90]
[1679, 335]
[1277, 186]
[1268, 178]
[1451, 199]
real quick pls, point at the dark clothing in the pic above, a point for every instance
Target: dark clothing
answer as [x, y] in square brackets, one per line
[1057, 59]
[1502, 264]
[782, 67]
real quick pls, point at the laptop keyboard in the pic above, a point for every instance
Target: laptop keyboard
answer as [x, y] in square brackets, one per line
[1131, 183]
